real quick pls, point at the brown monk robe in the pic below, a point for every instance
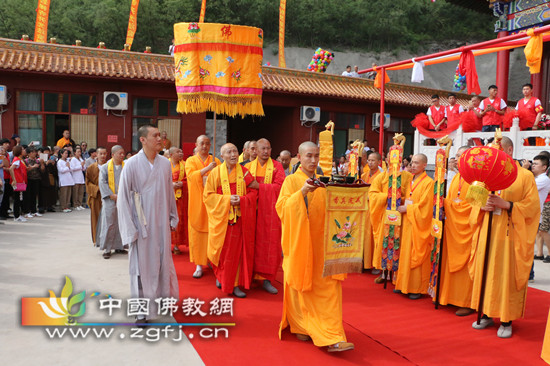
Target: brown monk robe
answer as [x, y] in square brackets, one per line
[92, 189]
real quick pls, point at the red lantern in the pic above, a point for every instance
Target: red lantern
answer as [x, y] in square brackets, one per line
[486, 169]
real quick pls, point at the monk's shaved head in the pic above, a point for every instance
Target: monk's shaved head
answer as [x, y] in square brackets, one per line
[506, 142]
[308, 153]
[202, 137]
[422, 158]
[418, 164]
[306, 146]
[173, 150]
[245, 146]
[116, 148]
[226, 147]
[507, 145]
[461, 151]
[285, 153]
[375, 155]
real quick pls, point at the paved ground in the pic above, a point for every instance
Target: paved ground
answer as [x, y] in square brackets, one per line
[36, 256]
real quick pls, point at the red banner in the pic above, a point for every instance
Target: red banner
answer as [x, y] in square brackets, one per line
[41, 26]
[132, 23]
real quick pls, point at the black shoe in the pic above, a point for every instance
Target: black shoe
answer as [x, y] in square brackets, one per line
[539, 257]
[51, 210]
[41, 211]
[547, 259]
[3, 218]
[121, 251]
[396, 291]
[7, 217]
[107, 255]
[415, 296]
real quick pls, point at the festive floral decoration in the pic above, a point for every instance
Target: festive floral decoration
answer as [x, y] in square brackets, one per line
[203, 73]
[486, 169]
[344, 236]
[544, 123]
[320, 61]
[459, 82]
[231, 53]
[193, 29]
[261, 35]
[470, 122]
[236, 75]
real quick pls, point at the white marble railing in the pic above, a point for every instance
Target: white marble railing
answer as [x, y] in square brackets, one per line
[461, 138]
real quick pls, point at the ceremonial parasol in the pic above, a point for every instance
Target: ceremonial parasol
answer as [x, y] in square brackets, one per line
[218, 68]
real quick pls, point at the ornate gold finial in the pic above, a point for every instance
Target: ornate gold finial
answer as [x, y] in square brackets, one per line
[101, 45]
[53, 40]
[399, 139]
[25, 37]
[78, 43]
[359, 145]
[126, 47]
[497, 142]
[445, 140]
[330, 126]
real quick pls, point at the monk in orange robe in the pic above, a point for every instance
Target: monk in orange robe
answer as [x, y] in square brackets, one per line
[230, 198]
[370, 172]
[92, 189]
[378, 203]
[516, 214]
[413, 275]
[456, 284]
[179, 182]
[270, 175]
[197, 168]
[312, 304]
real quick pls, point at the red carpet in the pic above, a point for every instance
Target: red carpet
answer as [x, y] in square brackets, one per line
[386, 328]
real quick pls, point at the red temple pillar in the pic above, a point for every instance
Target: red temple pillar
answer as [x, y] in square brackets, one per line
[536, 81]
[503, 69]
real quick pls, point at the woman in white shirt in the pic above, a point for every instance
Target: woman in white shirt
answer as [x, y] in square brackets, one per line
[77, 168]
[66, 181]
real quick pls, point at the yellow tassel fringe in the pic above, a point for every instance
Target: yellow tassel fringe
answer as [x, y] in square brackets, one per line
[477, 194]
[227, 105]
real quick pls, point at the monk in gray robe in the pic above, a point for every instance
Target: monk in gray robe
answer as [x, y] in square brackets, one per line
[147, 212]
[108, 237]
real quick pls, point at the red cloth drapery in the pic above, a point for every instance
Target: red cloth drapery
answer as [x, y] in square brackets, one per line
[467, 66]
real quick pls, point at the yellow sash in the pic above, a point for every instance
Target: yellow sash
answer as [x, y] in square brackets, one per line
[111, 175]
[181, 166]
[234, 211]
[268, 171]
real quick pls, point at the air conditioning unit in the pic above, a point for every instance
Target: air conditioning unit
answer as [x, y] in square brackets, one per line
[376, 120]
[308, 113]
[115, 100]
[3, 95]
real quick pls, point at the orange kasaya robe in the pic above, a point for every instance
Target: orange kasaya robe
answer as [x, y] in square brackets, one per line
[456, 284]
[368, 246]
[267, 250]
[510, 250]
[94, 197]
[198, 218]
[180, 236]
[378, 202]
[312, 304]
[230, 244]
[413, 275]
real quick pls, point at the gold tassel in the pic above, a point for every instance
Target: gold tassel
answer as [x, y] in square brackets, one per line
[230, 106]
[477, 194]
